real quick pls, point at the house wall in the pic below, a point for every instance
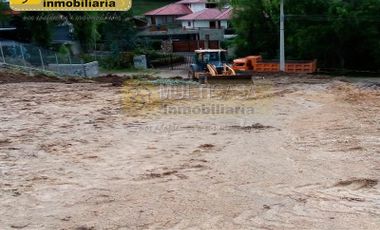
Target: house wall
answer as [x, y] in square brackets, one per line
[195, 24]
[185, 24]
[196, 7]
[163, 20]
[224, 24]
[201, 24]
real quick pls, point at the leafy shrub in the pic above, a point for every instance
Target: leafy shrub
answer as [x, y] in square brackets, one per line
[156, 45]
[87, 58]
[126, 59]
[63, 50]
[110, 62]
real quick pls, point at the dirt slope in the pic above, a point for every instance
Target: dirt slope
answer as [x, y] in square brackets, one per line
[72, 157]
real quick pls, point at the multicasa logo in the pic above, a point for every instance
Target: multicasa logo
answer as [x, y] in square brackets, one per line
[71, 5]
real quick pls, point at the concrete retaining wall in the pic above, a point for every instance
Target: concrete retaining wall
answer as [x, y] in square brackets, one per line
[90, 69]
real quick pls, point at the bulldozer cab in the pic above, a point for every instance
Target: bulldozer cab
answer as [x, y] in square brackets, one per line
[216, 57]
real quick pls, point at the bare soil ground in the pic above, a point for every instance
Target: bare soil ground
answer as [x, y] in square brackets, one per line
[73, 156]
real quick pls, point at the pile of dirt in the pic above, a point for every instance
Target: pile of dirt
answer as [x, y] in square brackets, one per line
[206, 146]
[114, 80]
[14, 76]
[360, 183]
[256, 126]
[369, 85]
[357, 93]
[118, 80]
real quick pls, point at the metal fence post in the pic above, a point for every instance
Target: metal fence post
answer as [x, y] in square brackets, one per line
[171, 61]
[42, 60]
[22, 54]
[2, 52]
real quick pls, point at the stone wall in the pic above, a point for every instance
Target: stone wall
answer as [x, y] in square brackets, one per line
[90, 69]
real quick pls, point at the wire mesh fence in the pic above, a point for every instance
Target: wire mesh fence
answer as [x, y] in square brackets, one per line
[33, 57]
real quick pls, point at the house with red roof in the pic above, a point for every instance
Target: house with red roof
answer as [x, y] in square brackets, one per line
[190, 14]
[167, 14]
[211, 18]
[189, 21]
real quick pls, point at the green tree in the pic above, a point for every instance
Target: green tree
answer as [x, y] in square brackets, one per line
[31, 28]
[85, 28]
[41, 30]
[4, 19]
[339, 33]
[118, 34]
[256, 23]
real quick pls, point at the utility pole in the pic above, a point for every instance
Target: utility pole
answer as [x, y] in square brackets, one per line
[282, 37]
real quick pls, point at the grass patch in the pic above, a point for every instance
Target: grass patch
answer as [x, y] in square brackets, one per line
[126, 70]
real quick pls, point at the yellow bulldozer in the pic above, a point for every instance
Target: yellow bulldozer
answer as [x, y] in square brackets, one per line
[212, 64]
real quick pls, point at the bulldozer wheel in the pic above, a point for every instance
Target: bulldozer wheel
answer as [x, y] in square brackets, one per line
[202, 79]
[191, 75]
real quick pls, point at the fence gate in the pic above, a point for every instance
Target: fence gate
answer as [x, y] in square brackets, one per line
[191, 45]
[174, 61]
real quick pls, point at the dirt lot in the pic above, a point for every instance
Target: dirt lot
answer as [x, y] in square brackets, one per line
[74, 156]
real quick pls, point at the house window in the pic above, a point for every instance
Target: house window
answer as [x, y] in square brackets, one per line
[153, 21]
[212, 24]
[210, 5]
[189, 24]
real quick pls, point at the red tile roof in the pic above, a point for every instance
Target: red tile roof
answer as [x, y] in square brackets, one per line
[172, 9]
[206, 14]
[191, 1]
[225, 15]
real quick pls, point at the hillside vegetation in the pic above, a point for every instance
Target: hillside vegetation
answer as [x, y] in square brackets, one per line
[340, 34]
